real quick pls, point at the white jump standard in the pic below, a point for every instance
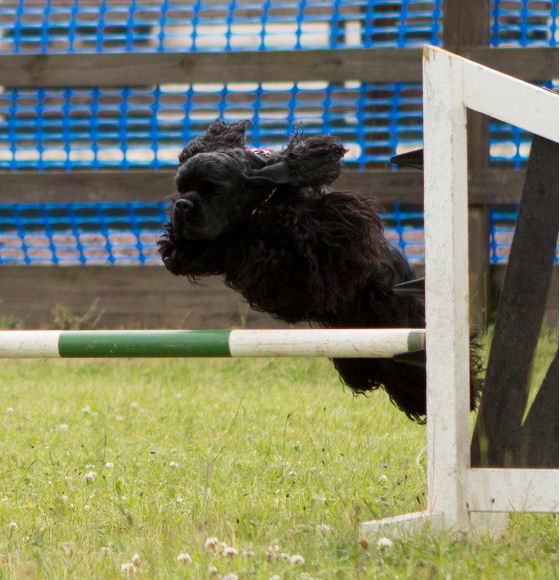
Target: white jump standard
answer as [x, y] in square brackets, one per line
[340, 343]
[460, 497]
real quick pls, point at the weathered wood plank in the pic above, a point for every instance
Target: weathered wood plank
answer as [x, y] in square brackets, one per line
[497, 186]
[157, 68]
[146, 297]
[468, 24]
[128, 296]
[540, 430]
[132, 69]
[529, 64]
[479, 267]
[497, 438]
[507, 490]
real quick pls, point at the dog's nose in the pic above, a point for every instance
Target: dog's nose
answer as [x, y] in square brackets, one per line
[184, 205]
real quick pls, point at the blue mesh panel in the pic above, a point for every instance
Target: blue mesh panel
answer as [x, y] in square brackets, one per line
[145, 127]
[524, 23]
[72, 128]
[27, 26]
[136, 127]
[89, 234]
[73, 234]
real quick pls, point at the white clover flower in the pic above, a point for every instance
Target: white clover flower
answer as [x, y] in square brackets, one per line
[64, 498]
[275, 577]
[86, 410]
[136, 561]
[211, 543]
[384, 544]
[173, 464]
[382, 478]
[13, 526]
[104, 550]
[127, 569]
[184, 558]
[229, 551]
[90, 466]
[212, 571]
[119, 418]
[322, 528]
[179, 499]
[297, 560]
[247, 553]
[220, 547]
[230, 576]
[87, 507]
[272, 551]
[134, 405]
[109, 465]
[284, 556]
[90, 475]
[10, 410]
[292, 473]
[63, 427]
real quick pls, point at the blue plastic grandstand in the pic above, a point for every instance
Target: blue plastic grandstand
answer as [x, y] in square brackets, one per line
[73, 128]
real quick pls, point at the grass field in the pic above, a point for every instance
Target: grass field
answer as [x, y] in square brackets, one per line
[102, 460]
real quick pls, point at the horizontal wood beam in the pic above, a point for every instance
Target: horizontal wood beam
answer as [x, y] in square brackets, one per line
[149, 297]
[488, 186]
[381, 65]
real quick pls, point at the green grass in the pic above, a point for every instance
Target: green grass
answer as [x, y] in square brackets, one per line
[254, 453]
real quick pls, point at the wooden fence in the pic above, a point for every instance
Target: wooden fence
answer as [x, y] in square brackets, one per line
[150, 295]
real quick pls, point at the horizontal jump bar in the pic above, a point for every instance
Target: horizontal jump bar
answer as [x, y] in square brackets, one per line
[340, 343]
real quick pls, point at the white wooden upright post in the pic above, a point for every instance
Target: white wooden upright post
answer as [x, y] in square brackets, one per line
[447, 300]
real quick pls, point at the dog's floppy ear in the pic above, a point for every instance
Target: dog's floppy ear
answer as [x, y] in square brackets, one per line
[277, 174]
[305, 162]
[219, 135]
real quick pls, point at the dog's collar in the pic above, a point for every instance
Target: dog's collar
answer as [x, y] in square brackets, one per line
[262, 155]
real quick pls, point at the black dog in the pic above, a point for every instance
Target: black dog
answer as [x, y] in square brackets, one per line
[293, 247]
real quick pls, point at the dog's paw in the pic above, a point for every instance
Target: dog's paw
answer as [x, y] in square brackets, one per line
[169, 254]
[172, 262]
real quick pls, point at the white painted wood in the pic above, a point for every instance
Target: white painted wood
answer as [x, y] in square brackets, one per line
[488, 523]
[447, 320]
[402, 525]
[512, 490]
[29, 344]
[347, 343]
[510, 100]
[459, 497]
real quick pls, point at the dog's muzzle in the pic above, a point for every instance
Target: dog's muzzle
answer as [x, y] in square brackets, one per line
[188, 218]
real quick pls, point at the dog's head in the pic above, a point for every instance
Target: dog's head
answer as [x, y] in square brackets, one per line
[220, 182]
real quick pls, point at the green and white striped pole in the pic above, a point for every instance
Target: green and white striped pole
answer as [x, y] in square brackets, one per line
[340, 343]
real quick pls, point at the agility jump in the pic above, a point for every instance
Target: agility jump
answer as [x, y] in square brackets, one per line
[344, 343]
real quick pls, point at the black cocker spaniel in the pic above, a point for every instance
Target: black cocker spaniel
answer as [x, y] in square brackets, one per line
[272, 226]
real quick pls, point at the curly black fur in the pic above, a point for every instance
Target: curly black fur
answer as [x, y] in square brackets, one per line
[292, 247]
